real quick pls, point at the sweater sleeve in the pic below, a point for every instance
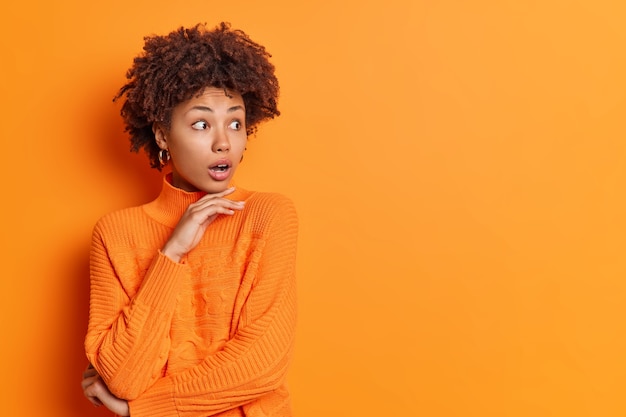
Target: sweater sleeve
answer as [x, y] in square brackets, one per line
[127, 338]
[254, 362]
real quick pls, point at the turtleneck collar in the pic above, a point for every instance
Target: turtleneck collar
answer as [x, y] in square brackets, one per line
[172, 202]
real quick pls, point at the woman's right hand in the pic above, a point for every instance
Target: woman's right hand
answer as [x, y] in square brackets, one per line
[195, 220]
[97, 392]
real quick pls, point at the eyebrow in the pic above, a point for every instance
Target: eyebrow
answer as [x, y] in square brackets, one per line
[208, 109]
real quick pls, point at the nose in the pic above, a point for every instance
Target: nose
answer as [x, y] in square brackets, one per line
[221, 144]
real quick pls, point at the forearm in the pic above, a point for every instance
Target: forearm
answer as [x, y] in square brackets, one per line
[128, 337]
[254, 363]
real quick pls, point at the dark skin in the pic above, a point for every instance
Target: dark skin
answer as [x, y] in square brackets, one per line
[97, 392]
[198, 59]
[194, 222]
[195, 57]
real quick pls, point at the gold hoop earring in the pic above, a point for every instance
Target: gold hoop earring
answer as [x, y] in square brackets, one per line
[164, 157]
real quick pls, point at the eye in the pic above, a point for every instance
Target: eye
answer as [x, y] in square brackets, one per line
[235, 125]
[201, 125]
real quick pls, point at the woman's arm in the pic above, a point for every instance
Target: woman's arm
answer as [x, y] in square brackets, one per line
[97, 392]
[254, 362]
[127, 338]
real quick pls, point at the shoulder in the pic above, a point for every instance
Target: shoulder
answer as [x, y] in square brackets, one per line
[269, 210]
[120, 220]
[270, 202]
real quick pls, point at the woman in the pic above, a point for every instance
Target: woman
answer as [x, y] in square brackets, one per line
[193, 300]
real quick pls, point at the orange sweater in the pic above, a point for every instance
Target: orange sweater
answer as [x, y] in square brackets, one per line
[211, 335]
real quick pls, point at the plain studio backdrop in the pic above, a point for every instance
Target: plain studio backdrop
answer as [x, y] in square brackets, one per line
[458, 169]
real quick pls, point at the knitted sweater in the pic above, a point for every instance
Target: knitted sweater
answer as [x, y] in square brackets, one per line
[211, 335]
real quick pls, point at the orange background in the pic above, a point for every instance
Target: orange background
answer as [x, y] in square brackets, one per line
[459, 171]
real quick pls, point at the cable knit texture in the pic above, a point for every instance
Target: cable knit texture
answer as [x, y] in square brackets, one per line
[211, 335]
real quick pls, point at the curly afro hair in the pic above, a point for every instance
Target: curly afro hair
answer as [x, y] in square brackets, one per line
[175, 67]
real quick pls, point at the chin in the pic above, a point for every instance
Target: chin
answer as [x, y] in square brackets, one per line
[215, 187]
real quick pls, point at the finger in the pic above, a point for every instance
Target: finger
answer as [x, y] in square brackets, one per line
[201, 207]
[88, 381]
[89, 372]
[221, 210]
[104, 397]
[93, 392]
[221, 194]
[203, 204]
[95, 401]
[226, 192]
[208, 213]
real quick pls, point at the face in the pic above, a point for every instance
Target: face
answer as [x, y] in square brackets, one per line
[206, 140]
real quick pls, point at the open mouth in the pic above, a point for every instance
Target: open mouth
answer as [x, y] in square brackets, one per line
[220, 168]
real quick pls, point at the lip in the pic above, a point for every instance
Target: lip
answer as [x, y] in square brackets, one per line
[220, 175]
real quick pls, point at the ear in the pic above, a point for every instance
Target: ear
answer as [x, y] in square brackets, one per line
[159, 135]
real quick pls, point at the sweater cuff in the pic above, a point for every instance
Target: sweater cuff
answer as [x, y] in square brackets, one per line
[158, 401]
[162, 282]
